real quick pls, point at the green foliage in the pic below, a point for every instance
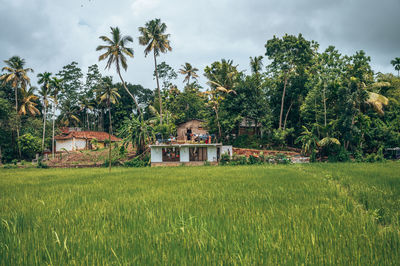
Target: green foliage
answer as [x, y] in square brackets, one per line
[30, 145]
[138, 161]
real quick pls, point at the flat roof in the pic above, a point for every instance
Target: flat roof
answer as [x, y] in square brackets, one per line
[186, 145]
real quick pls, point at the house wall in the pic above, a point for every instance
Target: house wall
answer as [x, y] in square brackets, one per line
[156, 154]
[184, 154]
[212, 154]
[63, 144]
[227, 149]
[195, 125]
[80, 144]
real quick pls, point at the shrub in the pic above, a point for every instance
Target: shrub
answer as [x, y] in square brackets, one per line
[225, 159]
[254, 160]
[138, 162]
[30, 145]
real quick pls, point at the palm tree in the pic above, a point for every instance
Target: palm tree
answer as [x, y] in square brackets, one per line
[55, 85]
[396, 63]
[68, 115]
[17, 75]
[109, 95]
[309, 142]
[256, 64]
[155, 39]
[27, 104]
[115, 53]
[45, 79]
[138, 132]
[189, 72]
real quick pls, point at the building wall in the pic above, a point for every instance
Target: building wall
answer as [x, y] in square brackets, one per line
[63, 144]
[156, 154]
[212, 154]
[195, 125]
[184, 154]
[227, 149]
[80, 144]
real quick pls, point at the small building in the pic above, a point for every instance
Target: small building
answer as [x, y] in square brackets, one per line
[73, 140]
[188, 154]
[186, 130]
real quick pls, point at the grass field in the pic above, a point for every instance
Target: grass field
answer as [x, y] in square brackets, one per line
[273, 214]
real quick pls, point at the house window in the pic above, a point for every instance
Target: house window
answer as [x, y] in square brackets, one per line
[197, 154]
[171, 154]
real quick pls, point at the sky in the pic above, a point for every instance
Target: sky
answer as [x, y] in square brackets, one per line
[49, 34]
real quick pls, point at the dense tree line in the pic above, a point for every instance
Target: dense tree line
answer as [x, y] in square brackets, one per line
[324, 102]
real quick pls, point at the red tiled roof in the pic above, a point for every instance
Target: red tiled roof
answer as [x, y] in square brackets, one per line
[100, 136]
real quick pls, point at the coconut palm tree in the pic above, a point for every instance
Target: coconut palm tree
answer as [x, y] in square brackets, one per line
[86, 105]
[109, 95]
[189, 72]
[137, 131]
[396, 63]
[68, 115]
[256, 64]
[55, 85]
[155, 39]
[17, 75]
[116, 51]
[45, 79]
[27, 103]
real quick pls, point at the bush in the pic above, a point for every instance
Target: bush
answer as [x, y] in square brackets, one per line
[138, 162]
[254, 160]
[342, 155]
[225, 159]
[281, 158]
[30, 145]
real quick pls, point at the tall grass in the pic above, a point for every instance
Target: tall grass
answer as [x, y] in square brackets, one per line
[199, 215]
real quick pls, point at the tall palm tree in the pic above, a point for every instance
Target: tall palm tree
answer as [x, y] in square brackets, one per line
[189, 72]
[115, 54]
[256, 64]
[109, 95]
[55, 85]
[155, 39]
[17, 75]
[396, 63]
[27, 103]
[45, 79]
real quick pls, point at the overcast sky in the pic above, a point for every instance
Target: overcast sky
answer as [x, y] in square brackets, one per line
[52, 33]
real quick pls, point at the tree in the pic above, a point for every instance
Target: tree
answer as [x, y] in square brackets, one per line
[189, 72]
[396, 64]
[17, 75]
[287, 55]
[28, 105]
[45, 79]
[109, 95]
[223, 78]
[137, 131]
[256, 64]
[55, 85]
[115, 54]
[154, 38]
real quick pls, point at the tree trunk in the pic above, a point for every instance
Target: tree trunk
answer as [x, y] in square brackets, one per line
[109, 137]
[325, 104]
[287, 114]
[18, 120]
[219, 125]
[283, 100]
[158, 87]
[53, 143]
[44, 126]
[130, 94]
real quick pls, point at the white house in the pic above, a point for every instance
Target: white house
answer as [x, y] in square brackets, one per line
[187, 153]
[72, 139]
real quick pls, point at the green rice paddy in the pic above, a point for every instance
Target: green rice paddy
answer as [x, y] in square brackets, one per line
[268, 214]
